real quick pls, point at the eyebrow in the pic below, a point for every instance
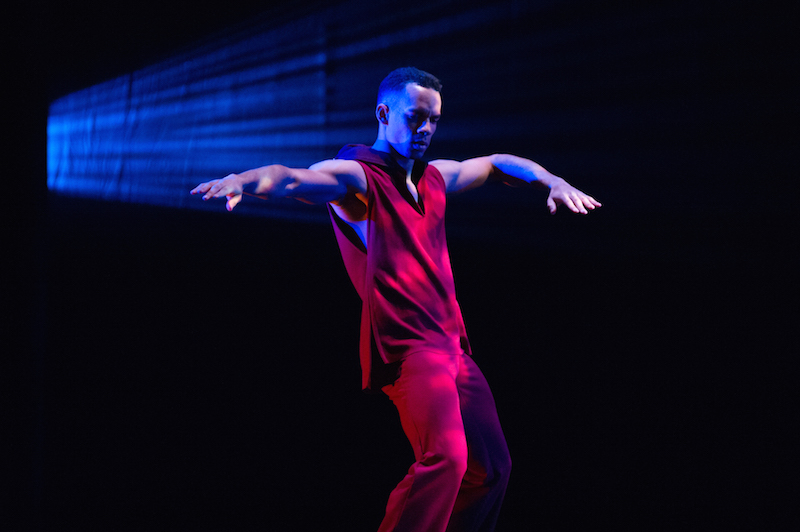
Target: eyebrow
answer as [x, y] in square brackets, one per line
[420, 111]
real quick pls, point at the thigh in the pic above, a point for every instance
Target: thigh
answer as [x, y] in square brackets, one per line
[427, 398]
[479, 412]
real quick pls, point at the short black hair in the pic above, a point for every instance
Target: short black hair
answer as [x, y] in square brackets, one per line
[399, 78]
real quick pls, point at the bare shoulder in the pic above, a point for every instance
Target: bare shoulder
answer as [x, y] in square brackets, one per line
[345, 171]
[351, 205]
[446, 166]
[463, 175]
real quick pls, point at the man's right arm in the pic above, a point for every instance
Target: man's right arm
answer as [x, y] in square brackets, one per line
[334, 180]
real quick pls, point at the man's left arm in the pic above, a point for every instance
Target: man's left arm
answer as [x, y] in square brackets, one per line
[513, 170]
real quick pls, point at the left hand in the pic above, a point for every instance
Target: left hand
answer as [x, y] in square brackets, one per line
[562, 193]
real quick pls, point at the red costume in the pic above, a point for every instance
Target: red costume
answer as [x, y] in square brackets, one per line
[414, 347]
[405, 281]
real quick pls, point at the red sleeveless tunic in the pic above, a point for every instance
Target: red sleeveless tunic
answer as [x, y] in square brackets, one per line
[403, 275]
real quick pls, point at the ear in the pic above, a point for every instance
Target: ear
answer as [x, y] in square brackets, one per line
[382, 113]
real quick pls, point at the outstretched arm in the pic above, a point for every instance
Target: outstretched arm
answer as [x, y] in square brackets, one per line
[326, 181]
[514, 170]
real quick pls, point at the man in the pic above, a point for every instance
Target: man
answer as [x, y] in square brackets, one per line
[387, 209]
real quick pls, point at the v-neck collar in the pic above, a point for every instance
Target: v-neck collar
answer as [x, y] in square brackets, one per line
[402, 186]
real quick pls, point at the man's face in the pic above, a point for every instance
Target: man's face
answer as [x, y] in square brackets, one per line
[412, 120]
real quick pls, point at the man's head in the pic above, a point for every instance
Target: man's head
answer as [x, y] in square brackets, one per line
[409, 106]
[396, 81]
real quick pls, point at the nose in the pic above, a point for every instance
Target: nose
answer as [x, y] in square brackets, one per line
[426, 128]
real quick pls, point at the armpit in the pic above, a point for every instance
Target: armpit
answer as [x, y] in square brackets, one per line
[352, 208]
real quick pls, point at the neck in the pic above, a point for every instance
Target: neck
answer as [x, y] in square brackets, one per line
[384, 146]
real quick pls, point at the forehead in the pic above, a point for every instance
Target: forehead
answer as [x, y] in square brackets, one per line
[416, 97]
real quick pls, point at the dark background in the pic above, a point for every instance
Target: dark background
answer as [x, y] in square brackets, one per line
[180, 370]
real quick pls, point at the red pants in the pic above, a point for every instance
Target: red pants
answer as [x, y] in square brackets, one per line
[462, 463]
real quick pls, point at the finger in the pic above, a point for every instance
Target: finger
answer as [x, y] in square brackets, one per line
[590, 203]
[570, 205]
[578, 202]
[209, 192]
[551, 205]
[233, 201]
[202, 188]
[217, 191]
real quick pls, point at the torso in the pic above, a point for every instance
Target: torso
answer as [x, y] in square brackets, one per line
[352, 209]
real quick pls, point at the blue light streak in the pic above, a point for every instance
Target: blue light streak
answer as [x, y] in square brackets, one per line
[292, 92]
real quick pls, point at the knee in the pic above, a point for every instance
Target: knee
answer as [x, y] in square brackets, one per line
[503, 465]
[455, 467]
[451, 463]
[489, 471]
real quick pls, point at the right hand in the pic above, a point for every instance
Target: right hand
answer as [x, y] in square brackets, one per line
[228, 187]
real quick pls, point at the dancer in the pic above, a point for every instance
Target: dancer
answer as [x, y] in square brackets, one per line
[387, 208]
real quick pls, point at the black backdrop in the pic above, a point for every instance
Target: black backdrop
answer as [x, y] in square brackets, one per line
[174, 369]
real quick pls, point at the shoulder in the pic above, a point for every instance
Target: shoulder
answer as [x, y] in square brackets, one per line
[451, 167]
[353, 177]
[445, 166]
[345, 171]
[337, 166]
[462, 175]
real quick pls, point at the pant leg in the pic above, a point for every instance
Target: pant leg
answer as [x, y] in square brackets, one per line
[462, 462]
[489, 464]
[427, 399]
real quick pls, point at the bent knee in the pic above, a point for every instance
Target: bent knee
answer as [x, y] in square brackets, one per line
[451, 464]
[497, 470]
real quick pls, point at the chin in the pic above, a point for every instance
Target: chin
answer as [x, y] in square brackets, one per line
[416, 154]
[409, 152]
